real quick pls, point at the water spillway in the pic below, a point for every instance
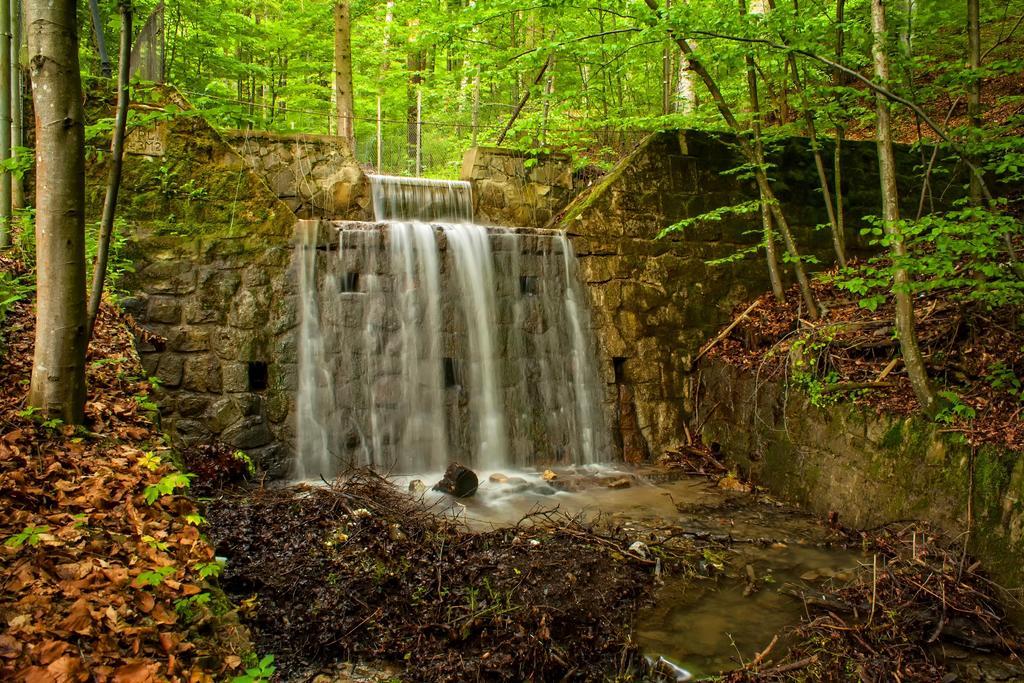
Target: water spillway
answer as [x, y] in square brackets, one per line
[426, 339]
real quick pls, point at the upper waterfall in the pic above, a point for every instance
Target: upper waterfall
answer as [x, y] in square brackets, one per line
[396, 198]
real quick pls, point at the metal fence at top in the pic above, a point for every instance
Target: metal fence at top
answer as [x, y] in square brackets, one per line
[426, 143]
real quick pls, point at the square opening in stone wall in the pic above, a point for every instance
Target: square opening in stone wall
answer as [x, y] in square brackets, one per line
[451, 373]
[259, 375]
[529, 285]
[348, 282]
[619, 365]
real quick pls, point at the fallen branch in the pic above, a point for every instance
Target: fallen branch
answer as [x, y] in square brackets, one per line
[725, 333]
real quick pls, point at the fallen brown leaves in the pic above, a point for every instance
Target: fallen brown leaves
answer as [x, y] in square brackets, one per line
[90, 573]
[962, 347]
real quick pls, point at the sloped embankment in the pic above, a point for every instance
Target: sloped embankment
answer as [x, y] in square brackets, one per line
[103, 562]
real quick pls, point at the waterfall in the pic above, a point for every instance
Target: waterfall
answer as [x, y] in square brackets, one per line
[426, 339]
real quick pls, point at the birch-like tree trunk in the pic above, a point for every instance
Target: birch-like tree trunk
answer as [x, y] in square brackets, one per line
[764, 187]
[58, 368]
[905, 326]
[343, 71]
[770, 249]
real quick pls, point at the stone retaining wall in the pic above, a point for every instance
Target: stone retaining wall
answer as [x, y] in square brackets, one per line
[210, 248]
[514, 189]
[872, 469]
[656, 301]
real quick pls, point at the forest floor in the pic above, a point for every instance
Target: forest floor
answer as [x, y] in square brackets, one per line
[975, 356]
[102, 565]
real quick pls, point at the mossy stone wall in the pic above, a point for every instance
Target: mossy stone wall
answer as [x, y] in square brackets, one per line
[657, 301]
[869, 468]
[211, 250]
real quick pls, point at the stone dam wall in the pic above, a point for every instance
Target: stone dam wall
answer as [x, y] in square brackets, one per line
[316, 176]
[212, 228]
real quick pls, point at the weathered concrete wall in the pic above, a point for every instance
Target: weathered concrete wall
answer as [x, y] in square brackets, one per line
[869, 468]
[316, 176]
[656, 301]
[210, 244]
[514, 189]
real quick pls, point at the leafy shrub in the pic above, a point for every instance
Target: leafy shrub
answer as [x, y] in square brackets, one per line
[961, 251]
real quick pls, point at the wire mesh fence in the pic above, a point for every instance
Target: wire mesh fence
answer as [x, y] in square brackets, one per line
[429, 142]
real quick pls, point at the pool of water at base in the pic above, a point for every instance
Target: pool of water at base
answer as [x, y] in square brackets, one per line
[704, 625]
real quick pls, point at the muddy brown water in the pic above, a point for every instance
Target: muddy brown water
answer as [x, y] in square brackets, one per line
[704, 624]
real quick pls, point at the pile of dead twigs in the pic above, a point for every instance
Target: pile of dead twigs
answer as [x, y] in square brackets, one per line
[359, 571]
[917, 596]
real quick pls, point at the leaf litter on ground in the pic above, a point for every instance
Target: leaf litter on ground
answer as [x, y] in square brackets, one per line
[97, 583]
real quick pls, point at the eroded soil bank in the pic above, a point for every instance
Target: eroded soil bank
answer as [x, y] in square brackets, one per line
[595, 575]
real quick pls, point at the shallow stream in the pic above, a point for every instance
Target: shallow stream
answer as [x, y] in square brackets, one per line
[705, 625]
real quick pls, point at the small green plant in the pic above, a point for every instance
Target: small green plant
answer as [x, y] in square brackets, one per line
[30, 534]
[154, 578]
[207, 570]
[154, 543]
[262, 672]
[956, 410]
[1001, 377]
[146, 403]
[166, 486]
[195, 519]
[242, 456]
[150, 460]
[187, 607]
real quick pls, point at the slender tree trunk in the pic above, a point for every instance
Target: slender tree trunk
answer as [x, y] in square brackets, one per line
[524, 99]
[101, 40]
[5, 122]
[837, 158]
[343, 71]
[549, 92]
[974, 87]
[99, 273]
[476, 106]
[905, 326]
[17, 110]
[771, 253]
[838, 238]
[767, 194]
[58, 368]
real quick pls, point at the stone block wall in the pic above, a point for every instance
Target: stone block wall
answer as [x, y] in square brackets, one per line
[514, 189]
[316, 176]
[657, 301]
[871, 469]
[210, 246]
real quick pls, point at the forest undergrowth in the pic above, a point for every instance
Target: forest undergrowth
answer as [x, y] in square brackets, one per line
[359, 571]
[974, 355]
[103, 565]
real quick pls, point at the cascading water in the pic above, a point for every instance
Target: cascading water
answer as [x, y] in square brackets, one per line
[427, 339]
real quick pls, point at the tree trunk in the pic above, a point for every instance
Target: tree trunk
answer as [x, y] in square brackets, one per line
[837, 158]
[101, 40]
[974, 85]
[905, 326]
[5, 122]
[771, 255]
[17, 108]
[838, 237]
[343, 71]
[58, 369]
[767, 194]
[99, 273]
[415, 64]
